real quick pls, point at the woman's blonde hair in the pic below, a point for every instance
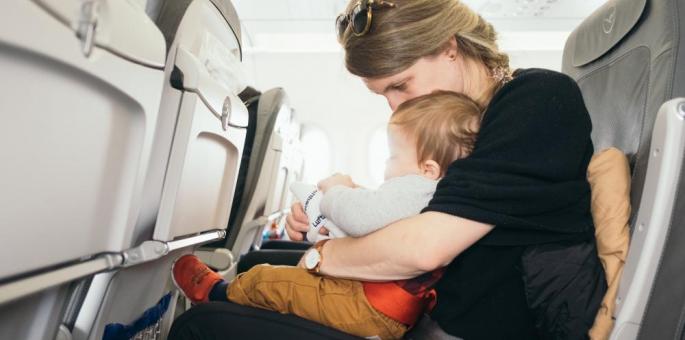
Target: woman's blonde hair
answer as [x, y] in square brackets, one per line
[414, 29]
[443, 124]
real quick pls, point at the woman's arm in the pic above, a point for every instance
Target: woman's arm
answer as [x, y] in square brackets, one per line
[402, 250]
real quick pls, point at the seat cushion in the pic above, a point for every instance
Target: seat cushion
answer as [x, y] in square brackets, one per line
[609, 177]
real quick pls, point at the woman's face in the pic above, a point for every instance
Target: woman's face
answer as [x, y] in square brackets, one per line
[428, 74]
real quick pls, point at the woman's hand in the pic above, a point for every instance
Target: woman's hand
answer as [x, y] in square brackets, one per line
[336, 179]
[296, 223]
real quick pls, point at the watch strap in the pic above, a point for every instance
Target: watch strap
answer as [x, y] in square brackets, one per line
[318, 246]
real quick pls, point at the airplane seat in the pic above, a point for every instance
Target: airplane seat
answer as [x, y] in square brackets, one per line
[628, 58]
[197, 151]
[263, 189]
[250, 98]
[261, 202]
[79, 112]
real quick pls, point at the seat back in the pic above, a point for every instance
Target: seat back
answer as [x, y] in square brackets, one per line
[77, 131]
[628, 60]
[261, 202]
[199, 157]
[79, 109]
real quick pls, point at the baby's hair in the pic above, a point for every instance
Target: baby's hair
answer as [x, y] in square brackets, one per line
[443, 124]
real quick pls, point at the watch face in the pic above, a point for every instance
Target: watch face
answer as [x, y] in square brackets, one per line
[311, 259]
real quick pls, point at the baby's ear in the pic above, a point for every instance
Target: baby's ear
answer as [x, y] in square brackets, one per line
[431, 169]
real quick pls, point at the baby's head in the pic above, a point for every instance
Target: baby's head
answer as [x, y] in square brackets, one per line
[426, 134]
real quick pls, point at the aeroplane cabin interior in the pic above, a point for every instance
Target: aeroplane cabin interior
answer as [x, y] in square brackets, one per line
[135, 132]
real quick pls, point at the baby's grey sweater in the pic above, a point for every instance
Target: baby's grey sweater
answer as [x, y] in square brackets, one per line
[359, 211]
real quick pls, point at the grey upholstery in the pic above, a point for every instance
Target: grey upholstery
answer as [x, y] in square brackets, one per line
[628, 73]
[629, 59]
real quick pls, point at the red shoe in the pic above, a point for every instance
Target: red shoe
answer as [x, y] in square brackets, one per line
[193, 278]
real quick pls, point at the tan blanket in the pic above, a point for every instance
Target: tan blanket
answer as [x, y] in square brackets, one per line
[609, 177]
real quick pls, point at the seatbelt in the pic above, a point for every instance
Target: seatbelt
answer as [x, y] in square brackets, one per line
[398, 304]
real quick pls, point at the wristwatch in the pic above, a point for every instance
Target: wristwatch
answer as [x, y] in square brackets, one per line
[313, 258]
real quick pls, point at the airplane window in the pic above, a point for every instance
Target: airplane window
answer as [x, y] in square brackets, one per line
[316, 151]
[378, 154]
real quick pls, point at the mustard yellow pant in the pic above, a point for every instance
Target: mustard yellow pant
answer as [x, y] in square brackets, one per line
[333, 302]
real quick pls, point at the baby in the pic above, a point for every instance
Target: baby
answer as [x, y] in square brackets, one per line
[425, 136]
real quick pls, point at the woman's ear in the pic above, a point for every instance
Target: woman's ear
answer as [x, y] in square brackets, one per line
[451, 49]
[431, 169]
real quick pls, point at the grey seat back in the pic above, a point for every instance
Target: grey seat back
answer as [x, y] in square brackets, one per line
[261, 202]
[629, 60]
[79, 106]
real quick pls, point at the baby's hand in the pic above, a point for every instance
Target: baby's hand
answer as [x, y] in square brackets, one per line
[336, 179]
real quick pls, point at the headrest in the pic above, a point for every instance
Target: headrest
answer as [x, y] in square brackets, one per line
[600, 32]
[167, 14]
[271, 102]
[231, 16]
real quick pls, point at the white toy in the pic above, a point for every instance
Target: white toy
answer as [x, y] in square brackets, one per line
[311, 198]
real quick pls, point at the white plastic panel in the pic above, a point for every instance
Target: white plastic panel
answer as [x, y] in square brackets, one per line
[653, 219]
[202, 173]
[121, 26]
[74, 140]
[203, 25]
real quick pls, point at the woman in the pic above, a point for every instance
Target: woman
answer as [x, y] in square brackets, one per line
[512, 222]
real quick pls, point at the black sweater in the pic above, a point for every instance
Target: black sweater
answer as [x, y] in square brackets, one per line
[527, 177]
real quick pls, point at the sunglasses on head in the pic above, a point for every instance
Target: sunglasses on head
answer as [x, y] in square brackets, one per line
[360, 17]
